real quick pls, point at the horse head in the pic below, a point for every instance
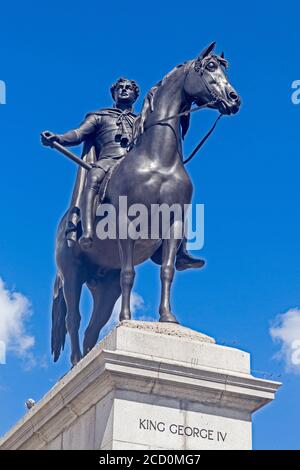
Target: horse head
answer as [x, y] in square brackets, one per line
[206, 82]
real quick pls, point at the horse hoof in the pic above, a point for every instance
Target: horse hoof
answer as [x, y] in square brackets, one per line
[86, 351]
[75, 360]
[124, 316]
[168, 318]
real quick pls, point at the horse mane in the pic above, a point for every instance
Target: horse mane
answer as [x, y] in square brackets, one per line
[148, 105]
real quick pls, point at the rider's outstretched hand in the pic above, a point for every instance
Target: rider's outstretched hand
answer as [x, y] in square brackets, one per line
[48, 138]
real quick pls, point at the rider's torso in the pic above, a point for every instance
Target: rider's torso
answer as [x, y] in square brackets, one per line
[112, 137]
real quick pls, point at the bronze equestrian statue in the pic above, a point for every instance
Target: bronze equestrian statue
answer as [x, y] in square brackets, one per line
[143, 160]
[107, 134]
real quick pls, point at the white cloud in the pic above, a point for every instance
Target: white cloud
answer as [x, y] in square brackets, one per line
[286, 330]
[15, 309]
[136, 304]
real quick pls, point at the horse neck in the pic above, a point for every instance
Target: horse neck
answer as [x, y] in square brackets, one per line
[164, 139]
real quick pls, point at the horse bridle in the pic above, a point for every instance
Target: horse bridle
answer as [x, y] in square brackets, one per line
[198, 67]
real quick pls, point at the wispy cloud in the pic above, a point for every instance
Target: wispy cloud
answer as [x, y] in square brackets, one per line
[285, 330]
[15, 309]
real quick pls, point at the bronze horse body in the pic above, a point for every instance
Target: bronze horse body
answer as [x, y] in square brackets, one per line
[151, 173]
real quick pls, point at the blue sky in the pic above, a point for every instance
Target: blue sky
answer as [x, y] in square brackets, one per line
[58, 60]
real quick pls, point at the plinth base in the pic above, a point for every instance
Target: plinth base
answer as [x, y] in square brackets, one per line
[149, 386]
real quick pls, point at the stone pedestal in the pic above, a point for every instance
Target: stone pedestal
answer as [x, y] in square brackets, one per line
[149, 386]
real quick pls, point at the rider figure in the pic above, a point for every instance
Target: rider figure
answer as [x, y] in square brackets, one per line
[111, 130]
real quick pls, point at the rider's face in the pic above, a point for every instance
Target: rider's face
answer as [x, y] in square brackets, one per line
[124, 93]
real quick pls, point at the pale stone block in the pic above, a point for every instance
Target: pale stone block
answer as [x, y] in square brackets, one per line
[56, 444]
[176, 343]
[173, 428]
[104, 421]
[149, 386]
[81, 434]
[125, 445]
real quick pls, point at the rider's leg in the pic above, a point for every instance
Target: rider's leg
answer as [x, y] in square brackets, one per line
[93, 182]
[184, 260]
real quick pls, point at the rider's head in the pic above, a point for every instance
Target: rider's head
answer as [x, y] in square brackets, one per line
[124, 91]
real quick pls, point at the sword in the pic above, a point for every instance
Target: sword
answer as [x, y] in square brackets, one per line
[68, 154]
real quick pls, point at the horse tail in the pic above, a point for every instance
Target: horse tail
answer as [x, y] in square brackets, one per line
[59, 311]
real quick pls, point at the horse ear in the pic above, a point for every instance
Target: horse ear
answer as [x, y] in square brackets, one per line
[207, 50]
[222, 55]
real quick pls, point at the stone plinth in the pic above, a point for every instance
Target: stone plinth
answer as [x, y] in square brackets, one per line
[149, 386]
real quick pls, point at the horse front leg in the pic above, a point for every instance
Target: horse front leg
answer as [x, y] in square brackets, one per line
[169, 250]
[126, 248]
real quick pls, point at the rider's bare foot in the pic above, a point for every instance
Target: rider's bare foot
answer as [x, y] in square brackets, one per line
[86, 241]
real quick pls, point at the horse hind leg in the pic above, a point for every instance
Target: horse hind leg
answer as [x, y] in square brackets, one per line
[72, 292]
[105, 291]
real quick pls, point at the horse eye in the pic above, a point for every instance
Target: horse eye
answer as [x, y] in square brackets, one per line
[211, 66]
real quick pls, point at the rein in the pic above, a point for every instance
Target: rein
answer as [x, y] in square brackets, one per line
[202, 141]
[186, 113]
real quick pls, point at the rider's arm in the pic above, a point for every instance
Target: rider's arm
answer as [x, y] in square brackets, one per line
[76, 136]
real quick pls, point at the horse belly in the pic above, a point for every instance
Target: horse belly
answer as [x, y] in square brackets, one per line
[105, 253]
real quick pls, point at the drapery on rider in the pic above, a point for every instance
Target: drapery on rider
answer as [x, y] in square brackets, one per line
[109, 133]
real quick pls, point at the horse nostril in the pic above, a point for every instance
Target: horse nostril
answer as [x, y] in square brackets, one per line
[233, 96]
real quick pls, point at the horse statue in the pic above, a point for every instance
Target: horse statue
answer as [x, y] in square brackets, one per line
[151, 173]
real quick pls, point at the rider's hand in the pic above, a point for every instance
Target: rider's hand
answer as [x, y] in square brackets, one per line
[48, 138]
